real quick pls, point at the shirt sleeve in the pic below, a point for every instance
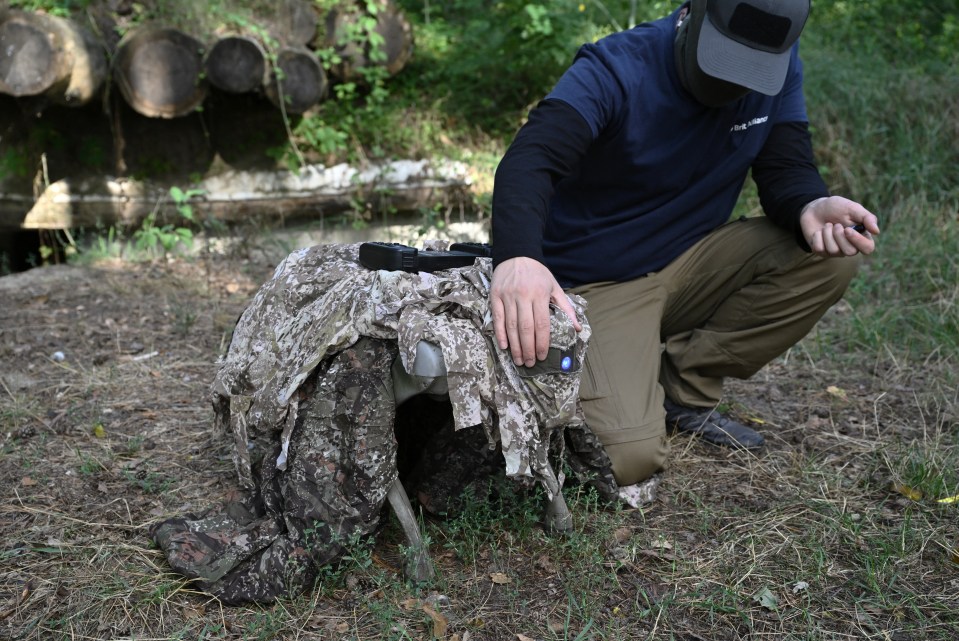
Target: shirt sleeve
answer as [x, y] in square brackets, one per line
[547, 149]
[591, 86]
[793, 105]
[787, 177]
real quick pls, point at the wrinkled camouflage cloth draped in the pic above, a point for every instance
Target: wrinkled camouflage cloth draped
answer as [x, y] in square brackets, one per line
[340, 466]
[306, 392]
[320, 301]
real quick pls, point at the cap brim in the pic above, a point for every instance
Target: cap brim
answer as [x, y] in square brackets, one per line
[726, 59]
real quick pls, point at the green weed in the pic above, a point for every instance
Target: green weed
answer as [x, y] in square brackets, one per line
[484, 521]
[89, 464]
[133, 445]
[149, 482]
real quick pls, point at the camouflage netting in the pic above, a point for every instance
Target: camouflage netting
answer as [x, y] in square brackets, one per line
[306, 392]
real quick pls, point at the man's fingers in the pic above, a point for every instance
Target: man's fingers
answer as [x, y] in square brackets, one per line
[515, 344]
[528, 332]
[561, 300]
[862, 243]
[829, 225]
[815, 243]
[526, 336]
[830, 247]
[843, 241]
[541, 330]
[511, 324]
[520, 295]
[867, 221]
[507, 324]
[499, 322]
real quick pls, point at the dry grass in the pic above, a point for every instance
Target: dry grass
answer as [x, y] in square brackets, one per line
[833, 531]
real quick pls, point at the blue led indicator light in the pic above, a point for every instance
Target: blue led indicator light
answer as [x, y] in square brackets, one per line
[566, 363]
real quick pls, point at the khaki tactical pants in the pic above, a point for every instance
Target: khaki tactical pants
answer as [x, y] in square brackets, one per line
[731, 303]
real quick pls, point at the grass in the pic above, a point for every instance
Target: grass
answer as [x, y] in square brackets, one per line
[835, 531]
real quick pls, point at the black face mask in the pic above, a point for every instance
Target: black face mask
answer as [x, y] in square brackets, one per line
[709, 91]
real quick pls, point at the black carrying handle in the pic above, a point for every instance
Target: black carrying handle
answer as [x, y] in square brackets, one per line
[400, 257]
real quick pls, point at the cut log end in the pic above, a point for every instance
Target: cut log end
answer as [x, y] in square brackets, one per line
[391, 24]
[27, 59]
[397, 40]
[299, 82]
[297, 24]
[42, 55]
[236, 64]
[158, 72]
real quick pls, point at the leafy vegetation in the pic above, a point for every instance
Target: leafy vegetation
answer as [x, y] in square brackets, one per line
[62, 8]
[911, 32]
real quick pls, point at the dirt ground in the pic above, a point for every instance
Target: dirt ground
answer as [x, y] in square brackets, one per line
[835, 530]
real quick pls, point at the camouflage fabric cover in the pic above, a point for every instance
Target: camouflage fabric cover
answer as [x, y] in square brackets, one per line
[321, 300]
[306, 392]
[341, 462]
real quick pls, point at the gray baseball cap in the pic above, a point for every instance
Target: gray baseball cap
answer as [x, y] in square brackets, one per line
[747, 42]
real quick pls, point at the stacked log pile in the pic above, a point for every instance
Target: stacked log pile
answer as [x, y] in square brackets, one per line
[163, 72]
[172, 104]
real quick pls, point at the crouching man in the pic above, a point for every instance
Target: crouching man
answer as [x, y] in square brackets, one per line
[620, 188]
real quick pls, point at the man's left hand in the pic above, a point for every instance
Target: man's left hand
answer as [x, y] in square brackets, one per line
[828, 226]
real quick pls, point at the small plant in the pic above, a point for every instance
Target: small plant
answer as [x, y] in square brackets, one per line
[150, 236]
[488, 515]
[433, 220]
[181, 201]
[359, 553]
[108, 244]
[89, 465]
[184, 316]
[133, 445]
[926, 471]
[149, 482]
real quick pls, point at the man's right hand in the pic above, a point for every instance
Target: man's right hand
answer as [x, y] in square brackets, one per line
[520, 295]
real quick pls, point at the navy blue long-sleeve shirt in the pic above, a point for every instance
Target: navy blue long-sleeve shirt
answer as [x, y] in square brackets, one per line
[619, 170]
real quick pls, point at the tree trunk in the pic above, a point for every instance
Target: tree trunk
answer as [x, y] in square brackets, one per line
[158, 72]
[298, 82]
[237, 64]
[389, 23]
[49, 56]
